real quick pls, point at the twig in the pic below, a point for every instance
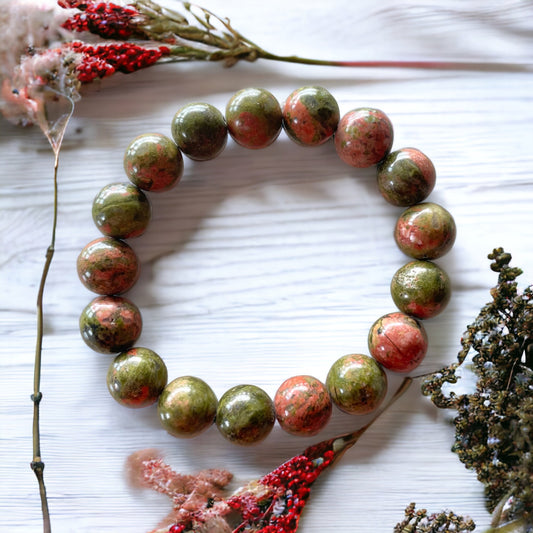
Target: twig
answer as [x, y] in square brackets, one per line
[53, 117]
[37, 465]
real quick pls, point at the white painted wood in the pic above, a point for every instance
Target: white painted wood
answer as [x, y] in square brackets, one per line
[265, 264]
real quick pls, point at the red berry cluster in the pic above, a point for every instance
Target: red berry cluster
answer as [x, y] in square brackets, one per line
[104, 60]
[108, 20]
[279, 509]
[296, 477]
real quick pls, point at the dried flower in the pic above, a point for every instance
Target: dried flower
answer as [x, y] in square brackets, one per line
[30, 60]
[420, 522]
[494, 423]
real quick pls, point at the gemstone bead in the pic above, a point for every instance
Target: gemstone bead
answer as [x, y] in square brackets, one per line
[357, 384]
[136, 378]
[110, 324]
[254, 118]
[425, 231]
[364, 137]
[153, 162]
[398, 342]
[310, 115]
[121, 210]
[245, 415]
[108, 266]
[200, 131]
[303, 405]
[406, 177]
[187, 407]
[421, 289]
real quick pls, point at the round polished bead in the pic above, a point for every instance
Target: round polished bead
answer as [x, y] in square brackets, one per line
[245, 415]
[110, 324]
[398, 342]
[108, 266]
[364, 137]
[425, 231]
[153, 162]
[406, 177]
[200, 131]
[357, 384]
[121, 210]
[310, 115]
[136, 378]
[254, 118]
[187, 407]
[421, 289]
[303, 405]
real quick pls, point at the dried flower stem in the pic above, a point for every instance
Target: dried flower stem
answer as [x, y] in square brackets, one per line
[53, 117]
[37, 465]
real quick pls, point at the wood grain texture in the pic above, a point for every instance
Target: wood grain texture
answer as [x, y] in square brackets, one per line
[264, 264]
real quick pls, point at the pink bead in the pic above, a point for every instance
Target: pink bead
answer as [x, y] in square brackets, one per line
[303, 405]
[398, 341]
[364, 137]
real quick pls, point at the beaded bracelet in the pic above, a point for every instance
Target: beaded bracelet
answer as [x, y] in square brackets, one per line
[356, 383]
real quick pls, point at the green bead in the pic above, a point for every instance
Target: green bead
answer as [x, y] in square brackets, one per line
[187, 407]
[245, 415]
[121, 210]
[110, 324]
[200, 131]
[406, 177]
[421, 289]
[153, 162]
[254, 118]
[136, 378]
[357, 384]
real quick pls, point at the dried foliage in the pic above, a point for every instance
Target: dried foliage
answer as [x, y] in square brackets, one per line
[420, 522]
[494, 422]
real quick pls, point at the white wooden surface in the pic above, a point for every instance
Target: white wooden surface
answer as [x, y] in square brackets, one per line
[265, 264]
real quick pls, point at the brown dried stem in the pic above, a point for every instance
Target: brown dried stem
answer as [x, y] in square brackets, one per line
[54, 113]
[200, 34]
[37, 465]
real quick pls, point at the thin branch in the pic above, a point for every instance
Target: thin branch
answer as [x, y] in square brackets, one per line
[53, 117]
[37, 465]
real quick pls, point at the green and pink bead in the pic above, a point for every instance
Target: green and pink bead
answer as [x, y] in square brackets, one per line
[108, 266]
[200, 131]
[254, 118]
[357, 384]
[153, 162]
[303, 405]
[187, 406]
[110, 324]
[364, 137]
[136, 378]
[121, 210]
[398, 342]
[406, 177]
[425, 231]
[310, 116]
